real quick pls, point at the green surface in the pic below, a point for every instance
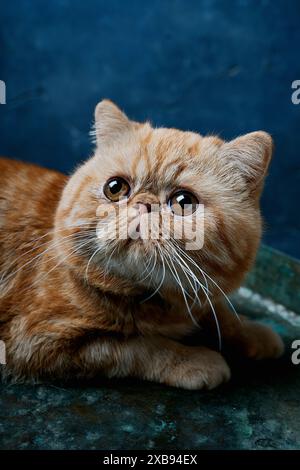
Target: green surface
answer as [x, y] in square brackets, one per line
[258, 409]
[276, 276]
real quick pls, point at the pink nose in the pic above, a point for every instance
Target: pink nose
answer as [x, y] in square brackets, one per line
[143, 208]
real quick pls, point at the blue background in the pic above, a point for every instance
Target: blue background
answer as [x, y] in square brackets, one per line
[209, 66]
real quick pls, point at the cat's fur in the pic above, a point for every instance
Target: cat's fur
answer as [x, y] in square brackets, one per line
[63, 316]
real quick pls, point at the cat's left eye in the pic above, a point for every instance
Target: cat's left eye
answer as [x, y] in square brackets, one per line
[116, 189]
[183, 203]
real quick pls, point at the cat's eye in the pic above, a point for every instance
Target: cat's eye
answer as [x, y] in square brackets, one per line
[116, 189]
[183, 203]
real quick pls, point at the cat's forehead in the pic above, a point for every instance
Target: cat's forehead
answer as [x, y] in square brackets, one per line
[164, 156]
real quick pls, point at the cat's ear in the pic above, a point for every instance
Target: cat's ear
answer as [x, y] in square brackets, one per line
[110, 123]
[250, 154]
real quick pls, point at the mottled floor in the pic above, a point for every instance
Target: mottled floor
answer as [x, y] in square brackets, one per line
[258, 409]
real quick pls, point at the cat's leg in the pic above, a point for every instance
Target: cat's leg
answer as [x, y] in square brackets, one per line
[58, 348]
[155, 359]
[251, 339]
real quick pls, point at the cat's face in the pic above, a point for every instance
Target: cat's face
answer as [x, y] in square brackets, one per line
[162, 207]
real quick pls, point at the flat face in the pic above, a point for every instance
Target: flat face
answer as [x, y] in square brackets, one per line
[258, 409]
[178, 193]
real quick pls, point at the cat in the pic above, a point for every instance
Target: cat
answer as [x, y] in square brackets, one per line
[78, 302]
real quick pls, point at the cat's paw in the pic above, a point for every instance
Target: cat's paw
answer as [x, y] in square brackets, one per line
[260, 342]
[201, 369]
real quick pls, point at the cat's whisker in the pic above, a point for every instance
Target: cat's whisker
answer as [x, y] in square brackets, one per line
[147, 268]
[64, 259]
[193, 263]
[187, 294]
[205, 275]
[35, 283]
[150, 272]
[187, 272]
[216, 319]
[89, 262]
[214, 314]
[154, 266]
[226, 297]
[163, 275]
[37, 247]
[5, 278]
[106, 269]
[190, 278]
[147, 264]
[184, 293]
[51, 245]
[189, 275]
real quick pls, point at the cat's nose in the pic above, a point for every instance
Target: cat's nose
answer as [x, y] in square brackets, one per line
[143, 207]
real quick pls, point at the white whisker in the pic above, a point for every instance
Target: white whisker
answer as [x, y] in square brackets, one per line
[163, 275]
[205, 275]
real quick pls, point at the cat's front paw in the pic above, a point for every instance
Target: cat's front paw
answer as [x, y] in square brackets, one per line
[202, 368]
[260, 342]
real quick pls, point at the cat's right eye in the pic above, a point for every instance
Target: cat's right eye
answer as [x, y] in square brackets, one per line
[116, 189]
[183, 203]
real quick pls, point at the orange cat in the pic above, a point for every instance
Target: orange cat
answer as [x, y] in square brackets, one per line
[78, 299]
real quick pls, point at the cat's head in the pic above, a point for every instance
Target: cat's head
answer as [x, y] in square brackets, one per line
[180, 186]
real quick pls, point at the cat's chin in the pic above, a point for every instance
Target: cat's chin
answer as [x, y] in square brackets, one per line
[138, 247]
[140, 251]
[134, 259]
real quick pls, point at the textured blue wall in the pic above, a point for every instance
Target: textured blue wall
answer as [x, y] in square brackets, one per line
[208, 66]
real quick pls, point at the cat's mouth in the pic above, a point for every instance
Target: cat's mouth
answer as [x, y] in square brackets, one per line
[140, 246]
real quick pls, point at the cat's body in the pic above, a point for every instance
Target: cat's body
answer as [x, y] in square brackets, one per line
[74, 303]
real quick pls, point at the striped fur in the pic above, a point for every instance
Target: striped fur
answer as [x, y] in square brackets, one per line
[75, 304]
